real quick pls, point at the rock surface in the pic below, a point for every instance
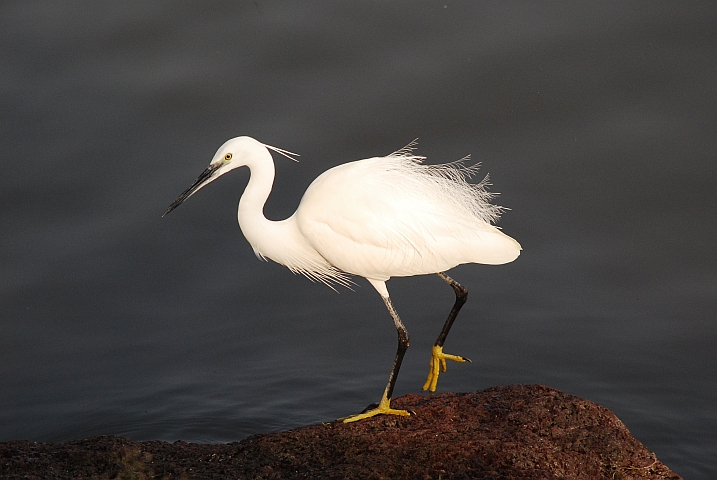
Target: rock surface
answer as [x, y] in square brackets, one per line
[517, 431]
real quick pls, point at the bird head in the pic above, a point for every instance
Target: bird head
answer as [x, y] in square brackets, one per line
[235, 153]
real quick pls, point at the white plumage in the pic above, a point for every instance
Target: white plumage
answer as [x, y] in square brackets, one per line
[394, 217]
[377, 218]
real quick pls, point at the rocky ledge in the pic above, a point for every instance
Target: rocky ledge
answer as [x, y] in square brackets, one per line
[511, 432]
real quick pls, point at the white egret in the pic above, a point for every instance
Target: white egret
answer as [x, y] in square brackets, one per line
[377, 218]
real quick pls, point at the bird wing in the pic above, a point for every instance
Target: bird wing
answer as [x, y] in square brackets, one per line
[382, 217]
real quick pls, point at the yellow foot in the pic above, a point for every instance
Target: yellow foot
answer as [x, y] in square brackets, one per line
[384, 408]
[438, 363]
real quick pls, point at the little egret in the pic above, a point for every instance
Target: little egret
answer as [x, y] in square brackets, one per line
[377, 218]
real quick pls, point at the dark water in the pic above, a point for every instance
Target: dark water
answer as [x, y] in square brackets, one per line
[596, 123]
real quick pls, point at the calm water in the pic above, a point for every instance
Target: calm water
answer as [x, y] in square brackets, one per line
[597, 125]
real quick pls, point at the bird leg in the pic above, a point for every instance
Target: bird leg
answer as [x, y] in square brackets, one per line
[438, 358]
[384, 406]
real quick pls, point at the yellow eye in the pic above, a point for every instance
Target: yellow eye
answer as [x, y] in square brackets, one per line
[227, 157]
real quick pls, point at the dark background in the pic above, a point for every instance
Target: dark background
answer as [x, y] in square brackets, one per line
[596, 123]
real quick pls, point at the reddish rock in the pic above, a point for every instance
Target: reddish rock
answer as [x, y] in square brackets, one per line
[518, 431]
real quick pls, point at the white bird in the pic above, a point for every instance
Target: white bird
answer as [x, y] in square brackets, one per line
[377, 218]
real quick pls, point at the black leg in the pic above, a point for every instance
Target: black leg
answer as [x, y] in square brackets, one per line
[400, 351]
[384, 407]
[438, 358]
[461, 298]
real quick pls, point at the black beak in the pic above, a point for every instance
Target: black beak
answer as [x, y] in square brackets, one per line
[202, 180]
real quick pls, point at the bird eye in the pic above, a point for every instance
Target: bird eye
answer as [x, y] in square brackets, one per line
[227, 157]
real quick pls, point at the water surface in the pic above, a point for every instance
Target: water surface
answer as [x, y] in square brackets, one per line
[596, 124]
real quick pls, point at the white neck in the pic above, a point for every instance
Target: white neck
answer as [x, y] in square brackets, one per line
[252, 221]
[280, 241]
